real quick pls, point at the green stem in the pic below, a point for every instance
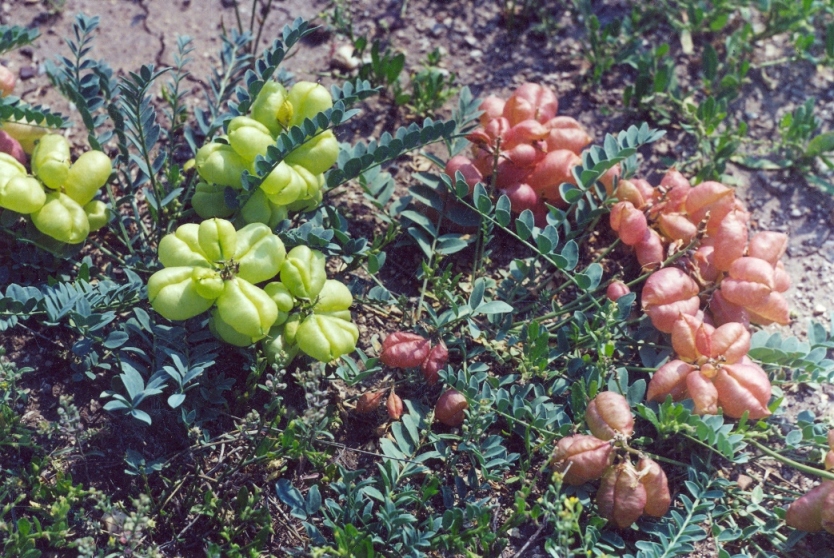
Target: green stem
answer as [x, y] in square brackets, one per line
[790, 462]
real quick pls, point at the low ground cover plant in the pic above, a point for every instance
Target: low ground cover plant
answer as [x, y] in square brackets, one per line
[578, 360]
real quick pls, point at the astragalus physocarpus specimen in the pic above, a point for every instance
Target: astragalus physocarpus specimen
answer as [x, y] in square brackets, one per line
[626, 491]
[526, 150]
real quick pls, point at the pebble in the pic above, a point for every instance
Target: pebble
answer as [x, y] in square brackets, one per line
[476, 53]
[819, 310]
[470, 40]
[796, 212]
[438, 29]
[28, 72]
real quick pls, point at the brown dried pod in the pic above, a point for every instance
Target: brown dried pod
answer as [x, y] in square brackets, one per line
[369, 401]
[404, 350]
[654, 479]
[621, 497]
[607, 414]
[394, 405]
[581, 458]
[450, 408]
[666, 295]
[436, 359]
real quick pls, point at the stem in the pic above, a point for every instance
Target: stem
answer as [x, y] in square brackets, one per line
[787, 461]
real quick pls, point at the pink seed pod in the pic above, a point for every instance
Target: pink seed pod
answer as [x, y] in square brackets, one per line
[563, 123]
[831, 439]
[768, 246]
[772, 310]
[555, 169]
[658, 498]
[7, 81]
[649, 250]
[721, 209]
[493, 108]
[703, 392]
[724, 312]
[630, 223]
[730, 240]
[676, 226]
[522, 197]
[607, 414]
[781, 279]
[12, 147]
[703, 197]
[703, 261]
[670, 379]
[627, 191]
[616, 290]
[508, 174]
[691, 338]
[806, 512]
[730, 343]
[581, 458]
[531, 101]
[470, 172]
[608, 177]
[673, 179]
[404, 350]
[394, 405]
[526, 131]
[621, 497]
[434, 362]
[524, 155]
[668, 293]
[450, 408]
[572, 139]
[743, 387]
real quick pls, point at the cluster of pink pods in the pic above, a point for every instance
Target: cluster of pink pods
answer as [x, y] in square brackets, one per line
[726, 279]
[525, 150]
[626, 490]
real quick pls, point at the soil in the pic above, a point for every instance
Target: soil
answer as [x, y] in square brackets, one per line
[484, 52]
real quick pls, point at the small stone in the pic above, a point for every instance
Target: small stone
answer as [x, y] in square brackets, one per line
[470, 40]
[796, 212]
[476, 53]
[28, 72]
[744, 482]
[819, 310]
[437, 29]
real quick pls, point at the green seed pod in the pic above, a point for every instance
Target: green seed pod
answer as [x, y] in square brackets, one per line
[291, 328]
[98, 214]
[89, 173]
[9, 166]
[51, 160]
[327, 337]
[62, 219]
[22, 194]
[308, 99]
[220, 164]
[227, 333]
[182, 248]
[284, 185]
[248, 309]
[303, 272]
[283, 299]
[313, 183]
[334, 296]
[259, 253]
[209, 200]
[173, 293]
[207, 282]
[217, 239]
[256, 209]
[271, 107]
[318, 154]
[306, 205]
[249, 138]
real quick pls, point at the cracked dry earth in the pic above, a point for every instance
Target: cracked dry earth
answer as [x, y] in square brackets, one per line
[488, 58]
